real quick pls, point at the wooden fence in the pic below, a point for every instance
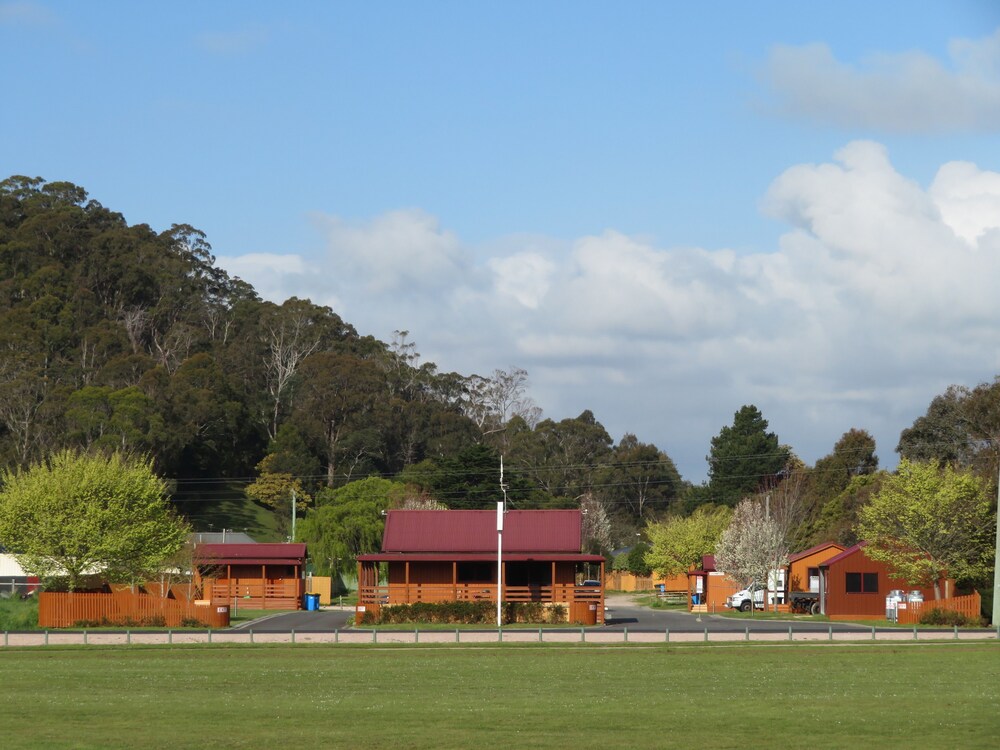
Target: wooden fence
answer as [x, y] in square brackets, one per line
[617, 580]
[76, 609]
[970, 606]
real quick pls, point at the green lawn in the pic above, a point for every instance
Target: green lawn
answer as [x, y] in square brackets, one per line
[548, 696]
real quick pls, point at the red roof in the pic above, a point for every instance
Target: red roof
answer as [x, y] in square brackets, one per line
[250, 554]
[475, 531]
[814, 550]
[480, 557]
[845, 554]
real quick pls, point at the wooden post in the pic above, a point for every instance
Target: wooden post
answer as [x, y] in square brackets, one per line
[454, 580]
[406, 580]
[600, 604]
[263, 586]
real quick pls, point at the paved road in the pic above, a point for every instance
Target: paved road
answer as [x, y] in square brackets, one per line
[322, 621]
[621, 614]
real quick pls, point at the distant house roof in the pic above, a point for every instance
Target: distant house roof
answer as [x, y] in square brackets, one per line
[221, 537]
[472, 535]
[250, 554]
[814, 550]
[845, 554]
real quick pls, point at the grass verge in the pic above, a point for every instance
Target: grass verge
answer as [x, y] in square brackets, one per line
[926, 695]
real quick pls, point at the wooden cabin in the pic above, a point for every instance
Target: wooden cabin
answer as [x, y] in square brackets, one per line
[255, 576]
[803, 567]
[709, 588]
[854, 587]
[452, 555]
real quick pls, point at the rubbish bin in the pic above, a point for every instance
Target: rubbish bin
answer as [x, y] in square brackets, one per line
[312, 602]
[696, 598]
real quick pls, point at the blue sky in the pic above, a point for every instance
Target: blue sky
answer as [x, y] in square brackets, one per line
[662, 211]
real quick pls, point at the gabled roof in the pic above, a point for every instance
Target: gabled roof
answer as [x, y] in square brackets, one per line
[814, 550]
[707, 566]
[843, 555]
[475, 531]
[250, 554]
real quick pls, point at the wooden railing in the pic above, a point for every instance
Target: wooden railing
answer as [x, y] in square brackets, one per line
[66, 610]
[402, 593]
[256, 593]
[970, 606]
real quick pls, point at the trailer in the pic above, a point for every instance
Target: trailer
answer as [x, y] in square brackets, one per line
[805, 602]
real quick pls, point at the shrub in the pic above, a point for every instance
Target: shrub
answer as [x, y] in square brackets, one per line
[465, 613]
[950, 618]
[19, 614]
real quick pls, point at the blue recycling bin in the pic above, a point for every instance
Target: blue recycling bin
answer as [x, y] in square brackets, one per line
[696, 598]
[312, 602]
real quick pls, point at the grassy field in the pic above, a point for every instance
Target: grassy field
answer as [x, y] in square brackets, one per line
[632, 697]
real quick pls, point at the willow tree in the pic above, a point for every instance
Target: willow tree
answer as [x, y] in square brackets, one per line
[79, 514]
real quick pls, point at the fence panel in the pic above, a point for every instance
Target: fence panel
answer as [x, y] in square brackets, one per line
[67, 610]
[970, 606]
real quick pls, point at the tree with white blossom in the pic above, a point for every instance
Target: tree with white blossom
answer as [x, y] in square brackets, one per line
[752, 545]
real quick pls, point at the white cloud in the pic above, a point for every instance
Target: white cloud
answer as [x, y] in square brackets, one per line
[402, 251]
[908, 92]
[879, 294]
[522, 276]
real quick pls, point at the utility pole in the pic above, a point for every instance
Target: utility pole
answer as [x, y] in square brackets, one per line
[293, 517]
[996, 563]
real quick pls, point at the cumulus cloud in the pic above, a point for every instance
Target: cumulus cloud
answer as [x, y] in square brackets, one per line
[403, 251]
[907, 92]
[878, 295]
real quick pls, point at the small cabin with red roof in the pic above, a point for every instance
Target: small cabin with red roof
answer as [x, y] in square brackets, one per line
[452, 555]
[708, 588]
[854, 587]
[255, 576]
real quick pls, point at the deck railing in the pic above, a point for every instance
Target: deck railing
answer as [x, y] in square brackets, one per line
[403, 593]
[257, 593]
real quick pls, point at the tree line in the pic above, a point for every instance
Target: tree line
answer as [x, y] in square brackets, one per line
[116, 337]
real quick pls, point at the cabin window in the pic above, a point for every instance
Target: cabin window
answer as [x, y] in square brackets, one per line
[861, 583]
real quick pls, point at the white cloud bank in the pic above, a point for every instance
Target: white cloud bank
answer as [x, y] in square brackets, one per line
[879, 295]
[910, 92]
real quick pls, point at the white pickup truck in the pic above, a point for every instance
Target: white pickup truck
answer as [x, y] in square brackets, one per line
[752, 596]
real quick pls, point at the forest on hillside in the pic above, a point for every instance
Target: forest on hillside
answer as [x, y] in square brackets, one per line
[118, 337]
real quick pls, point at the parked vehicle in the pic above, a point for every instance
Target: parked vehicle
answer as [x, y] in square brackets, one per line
[752, 596]
[804, 601]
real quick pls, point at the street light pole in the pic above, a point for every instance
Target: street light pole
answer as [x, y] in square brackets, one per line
[501, 509]
[499, 563]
